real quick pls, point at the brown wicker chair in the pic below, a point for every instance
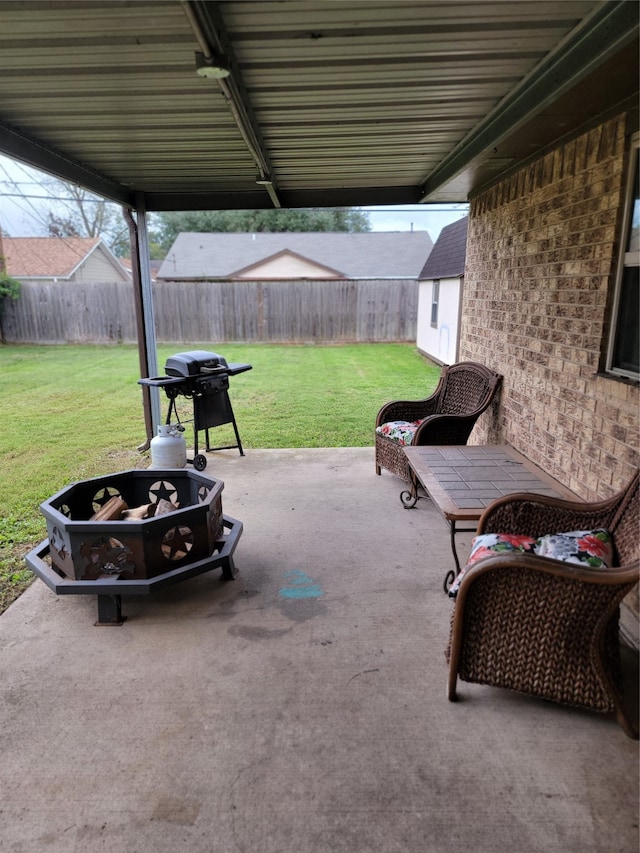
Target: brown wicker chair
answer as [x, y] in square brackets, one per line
[463, 393]
[544, 627]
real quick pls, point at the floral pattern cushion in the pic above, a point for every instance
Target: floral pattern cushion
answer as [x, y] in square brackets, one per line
[491, 545]
[585, 547]
[400, 431]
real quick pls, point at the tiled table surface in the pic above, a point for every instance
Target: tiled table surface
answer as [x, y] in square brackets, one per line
[463, 480]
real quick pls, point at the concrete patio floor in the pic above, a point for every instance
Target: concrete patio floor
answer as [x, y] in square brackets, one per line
[300, 708]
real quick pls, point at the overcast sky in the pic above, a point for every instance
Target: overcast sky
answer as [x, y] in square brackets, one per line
[23, 210]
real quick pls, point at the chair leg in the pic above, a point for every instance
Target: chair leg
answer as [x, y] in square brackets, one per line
[453, 652]
[623, 718]
[451, 686]
[378, 470]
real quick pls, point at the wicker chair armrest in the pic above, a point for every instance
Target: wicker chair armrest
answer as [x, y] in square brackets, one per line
[443, 429]
[536, 515]
[407, 410]
[616, 576]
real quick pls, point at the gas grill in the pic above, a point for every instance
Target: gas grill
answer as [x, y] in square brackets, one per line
[202, 377]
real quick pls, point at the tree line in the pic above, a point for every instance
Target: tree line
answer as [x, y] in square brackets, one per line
[75, 212]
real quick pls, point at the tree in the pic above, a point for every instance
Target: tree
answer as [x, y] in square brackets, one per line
[9, 286]
[273, 220]
[87, 215]
[67, 210]
[76, 212]
[80, 213]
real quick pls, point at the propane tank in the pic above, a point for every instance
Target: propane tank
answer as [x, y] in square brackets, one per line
[168, 448]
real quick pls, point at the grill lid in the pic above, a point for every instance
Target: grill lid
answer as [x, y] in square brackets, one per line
[194, 363]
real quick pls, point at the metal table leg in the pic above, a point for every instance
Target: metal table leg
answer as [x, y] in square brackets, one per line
[451, 574]
[410, 497]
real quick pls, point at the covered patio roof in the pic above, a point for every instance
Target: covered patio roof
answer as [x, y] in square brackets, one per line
[326, 103]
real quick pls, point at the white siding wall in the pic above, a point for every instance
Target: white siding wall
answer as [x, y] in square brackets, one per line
[441, 343]
[98, 267]
[286, 266]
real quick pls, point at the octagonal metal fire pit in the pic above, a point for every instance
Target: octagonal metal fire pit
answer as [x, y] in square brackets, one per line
[110, 558]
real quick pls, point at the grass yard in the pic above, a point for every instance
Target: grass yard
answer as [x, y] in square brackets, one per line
[74, 412]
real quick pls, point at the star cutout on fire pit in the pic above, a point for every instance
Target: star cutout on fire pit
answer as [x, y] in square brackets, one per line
[177, 543]
[163, 490]
[101, 497]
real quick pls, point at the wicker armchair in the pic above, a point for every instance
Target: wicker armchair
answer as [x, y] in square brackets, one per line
[463, 393]
[541, 626]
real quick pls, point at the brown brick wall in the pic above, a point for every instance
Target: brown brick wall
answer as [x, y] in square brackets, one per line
[541, 257]
[540, 265]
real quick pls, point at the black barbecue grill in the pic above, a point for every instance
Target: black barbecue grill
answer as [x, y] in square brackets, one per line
[202, 377]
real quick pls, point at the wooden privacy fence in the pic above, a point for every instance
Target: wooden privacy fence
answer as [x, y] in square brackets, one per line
[325, 311]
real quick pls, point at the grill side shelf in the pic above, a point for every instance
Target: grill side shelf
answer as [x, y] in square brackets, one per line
[166, 381]
[162, 381]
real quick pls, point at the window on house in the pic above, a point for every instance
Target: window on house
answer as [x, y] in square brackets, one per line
[624, 348]
[435, 298]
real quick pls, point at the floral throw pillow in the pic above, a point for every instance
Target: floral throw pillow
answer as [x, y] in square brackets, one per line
[585, 547]
[490, 545]
[400, 431]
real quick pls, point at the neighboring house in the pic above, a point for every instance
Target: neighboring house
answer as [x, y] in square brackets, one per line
[440, 294]
[154, 267]
[295, 255]
[80, 260]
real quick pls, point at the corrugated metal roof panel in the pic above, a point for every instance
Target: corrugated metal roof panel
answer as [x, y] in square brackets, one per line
[329, 98]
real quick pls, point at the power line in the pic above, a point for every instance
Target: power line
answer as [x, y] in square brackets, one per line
[41, 216]
[34, 210]
[51, 198]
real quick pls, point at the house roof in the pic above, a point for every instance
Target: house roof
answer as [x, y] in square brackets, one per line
[46, 257]
[356, 102]
[448, 255]
[371, 254]
[154, 266]
[50, 257]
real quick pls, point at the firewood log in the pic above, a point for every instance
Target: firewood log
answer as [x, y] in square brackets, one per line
[164, 507]
[111, 510]
[139, 512]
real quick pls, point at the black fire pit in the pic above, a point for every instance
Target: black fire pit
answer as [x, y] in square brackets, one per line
[111, 558]
[203, 377]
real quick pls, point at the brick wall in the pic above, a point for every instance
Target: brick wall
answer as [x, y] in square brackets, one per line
[540, 264]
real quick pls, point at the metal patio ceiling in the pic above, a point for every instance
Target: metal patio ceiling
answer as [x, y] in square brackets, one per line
[329, 102]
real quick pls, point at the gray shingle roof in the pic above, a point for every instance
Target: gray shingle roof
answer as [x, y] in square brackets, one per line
[372, 254]
[448, 255]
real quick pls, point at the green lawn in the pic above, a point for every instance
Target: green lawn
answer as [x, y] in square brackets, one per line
[73, 412]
